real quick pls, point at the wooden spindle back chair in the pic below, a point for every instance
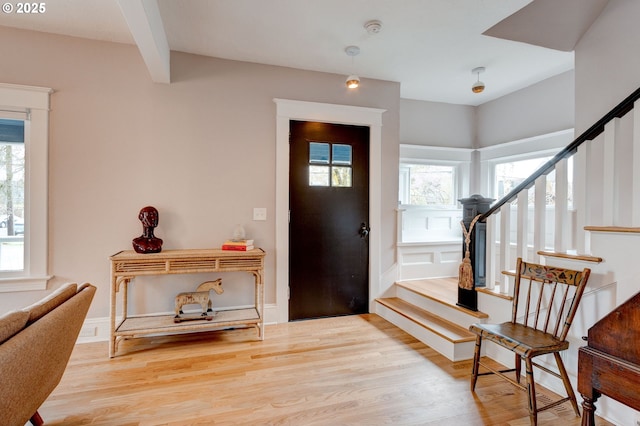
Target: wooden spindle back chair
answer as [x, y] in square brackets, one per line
[545, 301]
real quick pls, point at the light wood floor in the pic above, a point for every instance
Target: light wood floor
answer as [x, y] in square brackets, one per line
[355, 370]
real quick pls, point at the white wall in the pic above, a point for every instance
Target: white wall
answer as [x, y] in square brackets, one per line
[202, 150]
[542, 108]
[607, 62]
[436, 124]
[607, 71]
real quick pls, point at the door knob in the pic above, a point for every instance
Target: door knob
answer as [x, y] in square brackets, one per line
[364, 231]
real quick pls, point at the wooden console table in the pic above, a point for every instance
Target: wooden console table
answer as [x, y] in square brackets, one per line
[126, 265]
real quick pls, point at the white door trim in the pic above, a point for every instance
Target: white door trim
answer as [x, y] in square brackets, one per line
[328, 113]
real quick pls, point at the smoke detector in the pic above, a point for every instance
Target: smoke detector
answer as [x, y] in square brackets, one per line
[373, 27]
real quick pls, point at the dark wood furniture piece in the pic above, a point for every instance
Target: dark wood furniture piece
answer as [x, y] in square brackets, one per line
[610, 364]
[549, 297]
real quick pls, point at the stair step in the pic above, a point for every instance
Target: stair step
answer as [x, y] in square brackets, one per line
[440, 290]
[443, 328]
[617, 229]
[571, 255]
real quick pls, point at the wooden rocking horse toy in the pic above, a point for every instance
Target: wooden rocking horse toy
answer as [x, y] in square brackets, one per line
[198, 297]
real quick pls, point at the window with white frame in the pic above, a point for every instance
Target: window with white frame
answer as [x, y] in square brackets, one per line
[12, 180]
[24, 124]
[424, 184]
[509, 174]
[431, 181]
[505, 166]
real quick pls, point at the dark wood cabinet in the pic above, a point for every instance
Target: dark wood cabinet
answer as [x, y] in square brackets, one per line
[610, 364]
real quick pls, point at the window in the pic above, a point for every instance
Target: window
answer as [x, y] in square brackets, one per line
[12, 195]
[330, 164]
[428, 185]
[24, 123]
[431, 181]
[508, 175]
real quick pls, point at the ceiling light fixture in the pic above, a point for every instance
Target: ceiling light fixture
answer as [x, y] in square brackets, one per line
[353, 81]
[478, 86]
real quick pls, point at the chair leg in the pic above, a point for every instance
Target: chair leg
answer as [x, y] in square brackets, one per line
[36, 419]
[531, 390]
[476, 363]
[518, 367]
[567, 383]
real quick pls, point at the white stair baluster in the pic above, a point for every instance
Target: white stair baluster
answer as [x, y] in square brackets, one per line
[490, 258]
[580, 195]
[522, 227]
[540, 217]
[608, 174]
[561, 232]
[505, 246]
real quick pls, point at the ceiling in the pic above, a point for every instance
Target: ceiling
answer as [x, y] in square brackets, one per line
[429, 46]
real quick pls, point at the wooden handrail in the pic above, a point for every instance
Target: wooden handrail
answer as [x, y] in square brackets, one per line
[620, 110]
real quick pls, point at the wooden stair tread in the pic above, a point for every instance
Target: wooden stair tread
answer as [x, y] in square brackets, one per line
[441, 290]
[571, 255]
[495, 291]
[625, 229]
[443, 328]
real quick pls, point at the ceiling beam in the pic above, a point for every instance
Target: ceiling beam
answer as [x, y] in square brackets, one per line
[145, 23]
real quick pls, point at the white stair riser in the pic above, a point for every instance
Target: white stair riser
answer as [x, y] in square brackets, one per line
[452, 351]
[447, 312]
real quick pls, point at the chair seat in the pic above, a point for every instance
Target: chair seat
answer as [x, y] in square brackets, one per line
[524, 341]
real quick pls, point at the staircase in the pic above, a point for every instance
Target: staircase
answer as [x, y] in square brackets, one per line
[606, 197]
[427, 310]
[537, 220]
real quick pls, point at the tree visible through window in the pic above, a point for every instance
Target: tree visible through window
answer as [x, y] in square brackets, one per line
[24, 139]
[12, 181]
[430, 185]
[508, 175]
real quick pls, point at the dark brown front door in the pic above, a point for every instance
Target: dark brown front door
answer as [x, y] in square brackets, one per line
[329, 220]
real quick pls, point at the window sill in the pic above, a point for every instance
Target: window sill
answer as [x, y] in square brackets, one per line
[15, 284]
[429, 243]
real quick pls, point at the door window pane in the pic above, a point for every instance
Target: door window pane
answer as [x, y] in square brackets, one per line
[341, 176]
[318, 175]
[341, 154]
[319, 153]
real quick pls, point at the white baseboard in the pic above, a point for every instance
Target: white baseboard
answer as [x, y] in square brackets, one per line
[386, 287]
[94, 330]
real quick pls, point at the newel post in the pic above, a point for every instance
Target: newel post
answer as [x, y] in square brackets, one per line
[471, 207]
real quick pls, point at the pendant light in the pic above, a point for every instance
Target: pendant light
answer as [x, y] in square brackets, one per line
[353, 81]
[478, 86]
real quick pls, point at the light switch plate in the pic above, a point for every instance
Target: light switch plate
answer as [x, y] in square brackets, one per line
[259, 213]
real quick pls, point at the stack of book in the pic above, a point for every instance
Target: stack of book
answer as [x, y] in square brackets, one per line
[238, 245]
